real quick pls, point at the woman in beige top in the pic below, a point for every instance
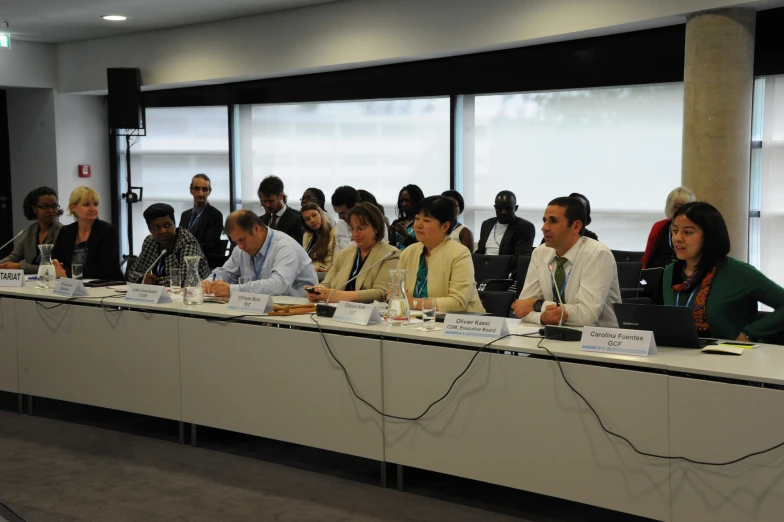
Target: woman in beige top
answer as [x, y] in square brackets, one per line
[319, 237]
[438, 267]
[367, 228]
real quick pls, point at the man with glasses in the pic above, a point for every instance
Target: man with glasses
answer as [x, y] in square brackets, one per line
[203, 221]
[164, 235]
[506, 234]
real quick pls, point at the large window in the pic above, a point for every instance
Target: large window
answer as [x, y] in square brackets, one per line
[620, 147]
[180, 142]
[379, 146]
[771, 190]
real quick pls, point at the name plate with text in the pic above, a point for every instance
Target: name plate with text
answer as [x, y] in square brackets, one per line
[617, 341]
[70, 288]
[475, 326]
[149, 294]
[249, 302]
[12, 278]
[357, 313]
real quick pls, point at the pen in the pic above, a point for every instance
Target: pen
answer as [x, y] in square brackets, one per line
[213, 277]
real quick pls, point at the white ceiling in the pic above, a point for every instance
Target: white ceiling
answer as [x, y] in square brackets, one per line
[58, 21]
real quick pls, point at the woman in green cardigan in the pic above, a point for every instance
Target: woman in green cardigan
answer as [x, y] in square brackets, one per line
[723, 292]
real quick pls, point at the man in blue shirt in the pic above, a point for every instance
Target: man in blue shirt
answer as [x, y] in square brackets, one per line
[277, 264]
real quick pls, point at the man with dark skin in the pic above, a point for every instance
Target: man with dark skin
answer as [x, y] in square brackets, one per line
[506, 234]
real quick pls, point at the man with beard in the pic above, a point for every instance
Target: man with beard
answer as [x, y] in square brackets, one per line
[506, 234]
[203, 221]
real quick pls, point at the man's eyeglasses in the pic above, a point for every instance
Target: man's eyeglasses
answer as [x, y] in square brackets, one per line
[48, 207]
[201, 189]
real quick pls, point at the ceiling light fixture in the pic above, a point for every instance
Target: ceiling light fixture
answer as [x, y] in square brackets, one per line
[114, 18]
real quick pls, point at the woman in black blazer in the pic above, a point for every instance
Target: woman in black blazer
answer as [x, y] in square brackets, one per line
[89, 241]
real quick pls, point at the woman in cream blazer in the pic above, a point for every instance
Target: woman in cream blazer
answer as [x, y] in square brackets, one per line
[368, 229]
[438, 267]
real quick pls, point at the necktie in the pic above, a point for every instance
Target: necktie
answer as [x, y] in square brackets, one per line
[560, 274]
[274, 221]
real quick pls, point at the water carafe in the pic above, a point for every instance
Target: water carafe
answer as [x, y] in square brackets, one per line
[47, 278]
[192, 293]
[398, 311]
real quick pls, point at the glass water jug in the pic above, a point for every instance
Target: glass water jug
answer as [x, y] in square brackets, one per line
[398, 311]
[47, 278]
[192, 293]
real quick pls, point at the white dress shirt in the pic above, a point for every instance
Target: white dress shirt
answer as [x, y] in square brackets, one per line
[493, 244]
[281, 267]
[591, 284]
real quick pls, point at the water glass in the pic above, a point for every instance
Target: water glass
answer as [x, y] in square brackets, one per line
[175, 281]
[429, 313]
[77, 271]
[245, 284]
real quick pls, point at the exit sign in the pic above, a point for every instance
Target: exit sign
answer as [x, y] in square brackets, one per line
[5, 40]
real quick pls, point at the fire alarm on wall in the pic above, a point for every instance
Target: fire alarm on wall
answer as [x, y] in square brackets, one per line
[85, 171]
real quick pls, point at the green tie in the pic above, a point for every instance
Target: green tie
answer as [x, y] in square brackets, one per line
[560, 274]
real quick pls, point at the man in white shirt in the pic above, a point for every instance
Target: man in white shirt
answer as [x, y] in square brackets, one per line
[583, 269]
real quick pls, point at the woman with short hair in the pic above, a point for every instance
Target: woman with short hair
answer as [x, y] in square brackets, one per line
[88, 241]
[659, 251]
[438, 267]
[41, 207]
[722, 292]
[355, 276]
[319, 237]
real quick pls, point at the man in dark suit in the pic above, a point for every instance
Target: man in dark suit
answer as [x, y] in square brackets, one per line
[506, 234]
[204, 221]
[277, 215]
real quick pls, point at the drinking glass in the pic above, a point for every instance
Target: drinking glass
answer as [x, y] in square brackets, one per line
[175, 281]
[245, 284]
[429, 313]
[77, 271]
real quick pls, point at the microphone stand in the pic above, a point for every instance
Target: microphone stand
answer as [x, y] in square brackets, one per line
[21, 232]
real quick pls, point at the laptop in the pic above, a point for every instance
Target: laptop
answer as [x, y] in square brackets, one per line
[650, 281]
[671, 325]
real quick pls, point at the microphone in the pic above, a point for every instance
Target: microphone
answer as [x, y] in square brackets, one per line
[163, 252]
[559, 332]
[328, 311]
[21, 232]
[125, 260]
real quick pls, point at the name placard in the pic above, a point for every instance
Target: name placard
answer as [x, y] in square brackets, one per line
[250, 303]
[12, 278]
[149, 294]
[617, 340]
[475, 326]
[69, 288]
[357, 313]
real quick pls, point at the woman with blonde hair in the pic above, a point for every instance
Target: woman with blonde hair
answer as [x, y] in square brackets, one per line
[659, 251]
[319, 237]
[87, 241]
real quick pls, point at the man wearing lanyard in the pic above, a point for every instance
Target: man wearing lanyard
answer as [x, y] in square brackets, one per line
[203, 221]
[583, 269]
[277, 264]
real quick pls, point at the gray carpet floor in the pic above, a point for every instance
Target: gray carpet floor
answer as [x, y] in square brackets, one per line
[54, 469]
[57, 471]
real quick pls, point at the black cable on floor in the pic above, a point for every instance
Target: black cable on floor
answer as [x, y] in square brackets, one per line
[14, 513]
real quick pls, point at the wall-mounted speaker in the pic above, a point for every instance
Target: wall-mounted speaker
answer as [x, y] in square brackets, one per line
[126, 108]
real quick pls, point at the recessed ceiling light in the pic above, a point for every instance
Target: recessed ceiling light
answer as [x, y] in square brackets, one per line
[114, 18]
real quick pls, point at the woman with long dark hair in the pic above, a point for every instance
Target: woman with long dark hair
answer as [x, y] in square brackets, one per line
[319, 237]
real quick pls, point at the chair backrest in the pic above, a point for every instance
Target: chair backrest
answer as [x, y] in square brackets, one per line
[129, 262]
[629, 274]
[627, 255]
[223, 246]
[779, 339]
[491, 267]
[498, 304]
[522, 269]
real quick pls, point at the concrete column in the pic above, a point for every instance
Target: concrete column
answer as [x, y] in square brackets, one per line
[718, 81]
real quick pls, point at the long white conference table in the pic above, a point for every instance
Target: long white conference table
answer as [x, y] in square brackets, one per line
[510, 420]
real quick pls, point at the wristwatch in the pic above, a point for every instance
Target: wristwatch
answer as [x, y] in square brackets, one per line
[414, 304]
[538, 305]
